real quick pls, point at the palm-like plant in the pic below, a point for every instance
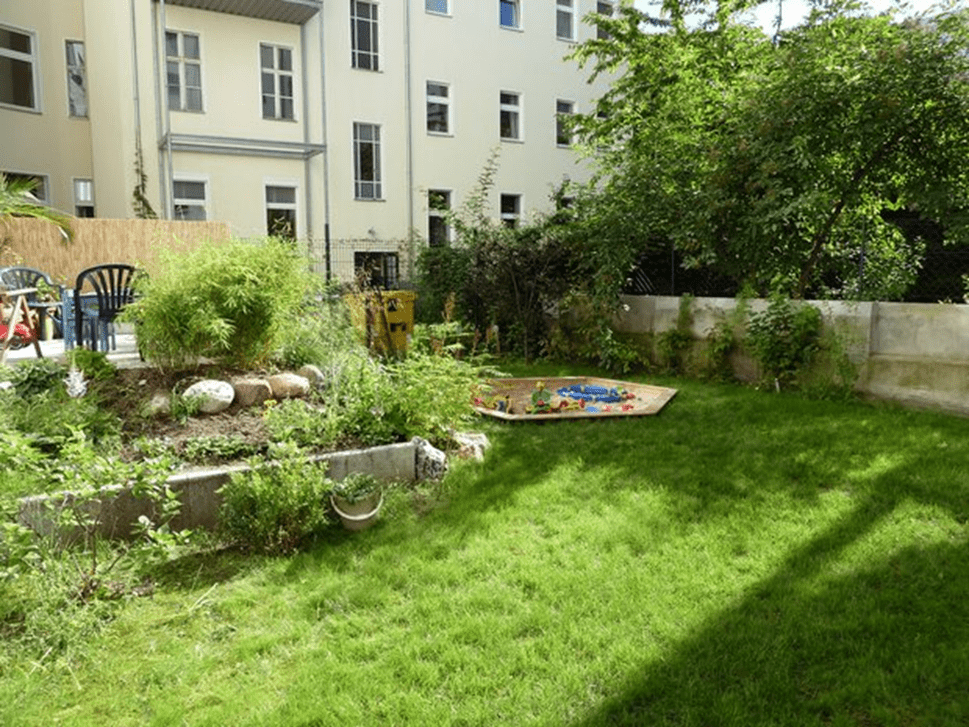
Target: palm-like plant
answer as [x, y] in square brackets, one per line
[16, 201]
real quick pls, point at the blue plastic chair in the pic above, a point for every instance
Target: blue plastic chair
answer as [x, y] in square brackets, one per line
[113, 286]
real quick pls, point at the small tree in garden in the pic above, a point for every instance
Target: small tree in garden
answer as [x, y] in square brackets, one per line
[228, 301]
[509, 277]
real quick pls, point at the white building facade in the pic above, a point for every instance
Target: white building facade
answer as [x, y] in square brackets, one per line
[349, 123]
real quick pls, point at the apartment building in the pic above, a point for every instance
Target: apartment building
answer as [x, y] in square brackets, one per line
[350, 123]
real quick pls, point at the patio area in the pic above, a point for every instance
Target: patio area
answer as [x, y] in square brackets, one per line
[124, 356]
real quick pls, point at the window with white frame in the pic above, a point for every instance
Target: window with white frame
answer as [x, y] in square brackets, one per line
[366, 161]
[76, 79]
[281, 211]
[438, 107]
[188, 200]
[438, 205]
[511, 205]
[603, 7]
[437, 6]
[183, 69]
[510, 115]
[363, 35]
[565, 19]
[563, 122]
[39, 181]
[377, 269]
[509, 13]
[276, 64]
[18, 69]
[83, 198]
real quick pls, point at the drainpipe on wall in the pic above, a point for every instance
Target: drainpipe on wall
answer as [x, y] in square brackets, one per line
[307, 179]
[326, 156]
[160, 113]
[409, 159]
[166, 171]
[136, 90]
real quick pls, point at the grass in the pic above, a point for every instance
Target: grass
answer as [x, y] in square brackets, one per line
[741, 559]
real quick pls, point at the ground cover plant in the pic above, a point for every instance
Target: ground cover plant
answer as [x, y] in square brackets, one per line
[743, 558]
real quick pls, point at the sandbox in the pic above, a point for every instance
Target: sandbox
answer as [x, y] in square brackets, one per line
[568, 397]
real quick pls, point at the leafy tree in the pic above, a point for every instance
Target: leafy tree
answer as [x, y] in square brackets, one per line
[16, 201]
[774, 161]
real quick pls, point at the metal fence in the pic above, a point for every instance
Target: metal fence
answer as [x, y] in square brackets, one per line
[385, 264]
[941, 277]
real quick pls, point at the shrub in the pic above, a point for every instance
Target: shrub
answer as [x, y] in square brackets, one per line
[784, 338]
[299, 422]
[229, 301]
[275, 506]
[320, 330]
[36, 376]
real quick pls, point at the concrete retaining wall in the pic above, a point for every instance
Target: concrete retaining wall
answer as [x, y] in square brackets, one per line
[913, 353]
[118, 509]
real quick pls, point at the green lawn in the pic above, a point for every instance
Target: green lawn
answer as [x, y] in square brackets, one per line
[743, 558]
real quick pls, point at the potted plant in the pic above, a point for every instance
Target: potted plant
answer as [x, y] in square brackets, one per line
[357, 499]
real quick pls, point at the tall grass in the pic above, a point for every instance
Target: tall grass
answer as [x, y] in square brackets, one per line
[740, 559]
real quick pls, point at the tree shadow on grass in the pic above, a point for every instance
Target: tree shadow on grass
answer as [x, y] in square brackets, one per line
[887, 644]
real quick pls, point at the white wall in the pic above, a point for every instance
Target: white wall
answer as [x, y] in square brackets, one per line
[914, 353]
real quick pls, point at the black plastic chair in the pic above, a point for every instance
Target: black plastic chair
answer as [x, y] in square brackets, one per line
[113, 289]
[17, 277]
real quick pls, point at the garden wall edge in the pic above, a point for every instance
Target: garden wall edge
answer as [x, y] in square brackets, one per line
[118, 509]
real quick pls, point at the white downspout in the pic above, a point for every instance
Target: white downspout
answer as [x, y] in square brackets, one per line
[409, 156]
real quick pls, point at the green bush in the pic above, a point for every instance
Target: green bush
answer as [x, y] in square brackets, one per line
[299, 422]
[229, 301]
[37, 376]
[784, 338]
[275, 506]
[320, 329]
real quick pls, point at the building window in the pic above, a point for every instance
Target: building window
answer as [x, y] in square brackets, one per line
[363, 35]
[437, 6]
[366, 161]
[83, 198]
[281, 211]
[510, 120]
[376, 269]
[563, 125]
[438, 108]
[565, 19]
[76, 79]
[509, 13]
[40, 187]
[188, 199]
[438, 205]
[603, 8]
[18, 69]
[510, 209]
[183, 68]
[277, 81]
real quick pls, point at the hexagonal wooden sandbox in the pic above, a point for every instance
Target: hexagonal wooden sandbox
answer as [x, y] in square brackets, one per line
[569, 397]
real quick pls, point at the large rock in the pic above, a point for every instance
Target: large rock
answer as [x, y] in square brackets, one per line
[313, 374]
[471, 445]
[251, 390]
[160, 405]
[215, 395]
[288, 385]
[431, 463]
